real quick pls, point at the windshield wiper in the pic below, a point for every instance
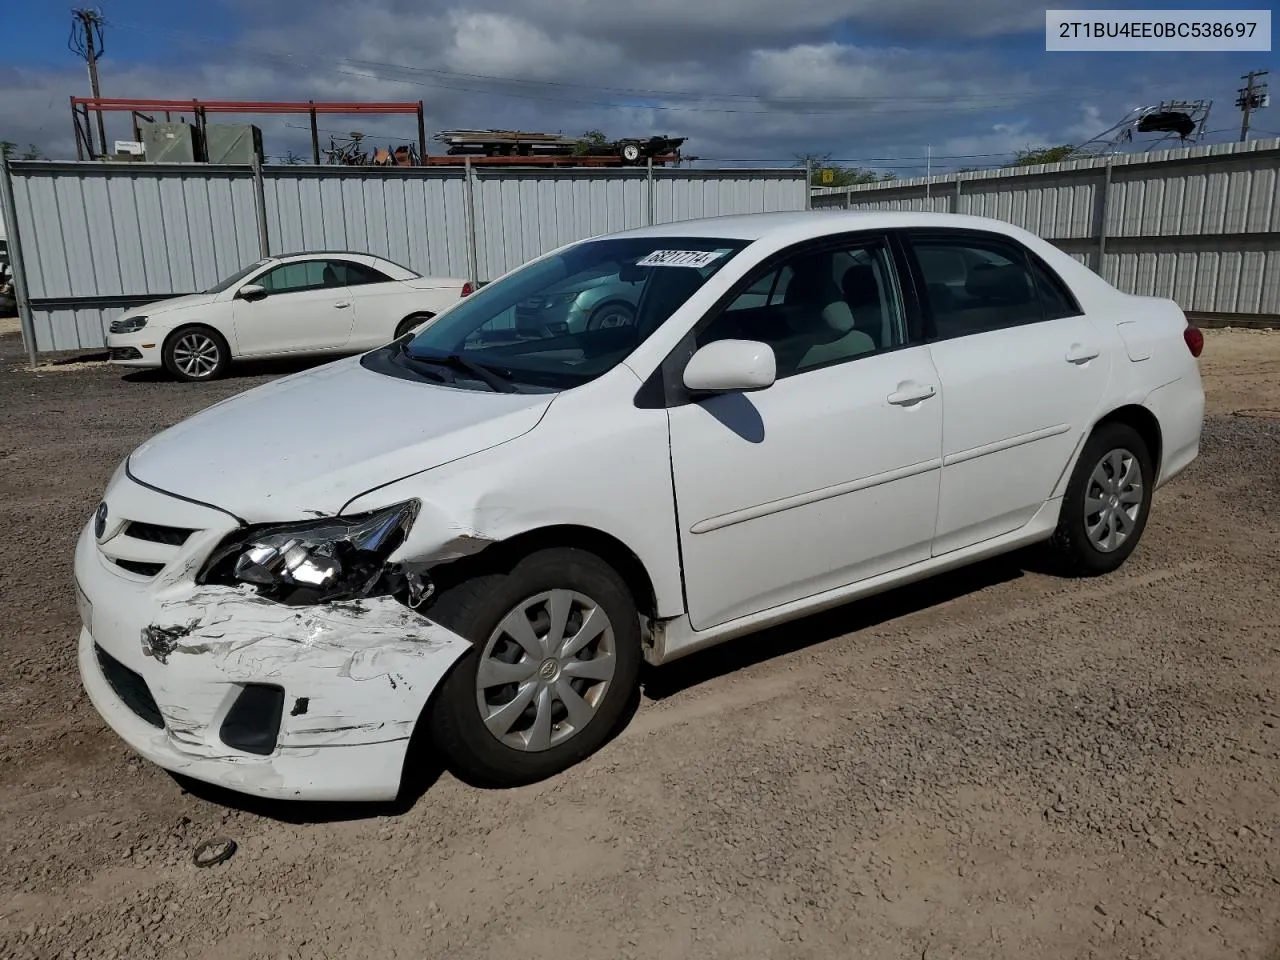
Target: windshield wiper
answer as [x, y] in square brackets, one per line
[493, 379]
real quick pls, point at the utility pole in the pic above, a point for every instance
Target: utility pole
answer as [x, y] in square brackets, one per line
[86, 40]
[1253, 96]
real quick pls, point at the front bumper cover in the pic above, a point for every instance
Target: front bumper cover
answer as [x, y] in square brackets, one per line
[356, 677]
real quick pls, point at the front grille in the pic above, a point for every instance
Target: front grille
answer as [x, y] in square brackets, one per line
[129, 687]
[138, 567]
[155, 533]
[126, 353]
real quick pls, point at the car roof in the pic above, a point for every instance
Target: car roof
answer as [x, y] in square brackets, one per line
[802, 224]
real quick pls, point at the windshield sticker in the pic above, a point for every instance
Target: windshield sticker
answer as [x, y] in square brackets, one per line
[697, 259]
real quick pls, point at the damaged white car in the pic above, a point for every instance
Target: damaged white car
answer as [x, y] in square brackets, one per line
[479, 531]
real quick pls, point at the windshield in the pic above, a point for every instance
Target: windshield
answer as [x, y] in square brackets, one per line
[235, 278]
[561, 321]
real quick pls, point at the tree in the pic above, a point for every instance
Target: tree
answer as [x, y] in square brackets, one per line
[1031, 156]
[292, 159]
[9, 150]
[592, 138]
[841, 176]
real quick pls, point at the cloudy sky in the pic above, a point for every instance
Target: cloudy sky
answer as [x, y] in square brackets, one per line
[873, 82]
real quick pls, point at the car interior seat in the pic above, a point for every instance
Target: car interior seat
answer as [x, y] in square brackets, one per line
[822, 321]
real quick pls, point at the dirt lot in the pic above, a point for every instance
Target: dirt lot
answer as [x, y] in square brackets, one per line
[995, 764]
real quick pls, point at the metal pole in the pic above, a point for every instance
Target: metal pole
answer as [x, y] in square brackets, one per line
[955, 200]
[15, 262]
[315, 136]
[75, 123]
[260, 207]
[808, 184]
[649, 198]
[422, 136]
[89, 20]
[1103, 203]
[468, 192]
[928, 175]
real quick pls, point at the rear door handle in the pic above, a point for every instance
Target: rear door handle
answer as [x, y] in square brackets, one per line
[1079, 353]
[910, 393]
[341, 306]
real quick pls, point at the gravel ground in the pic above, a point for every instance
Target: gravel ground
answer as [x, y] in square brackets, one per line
[997, 763]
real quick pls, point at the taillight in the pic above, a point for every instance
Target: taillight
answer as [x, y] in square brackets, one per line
[1194, 339]
[467, 289]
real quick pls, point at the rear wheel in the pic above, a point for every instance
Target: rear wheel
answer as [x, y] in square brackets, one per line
[555, 660]
[196, 353]
[1107, 502]
[409, 322]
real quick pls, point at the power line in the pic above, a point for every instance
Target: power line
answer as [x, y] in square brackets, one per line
[975, 101]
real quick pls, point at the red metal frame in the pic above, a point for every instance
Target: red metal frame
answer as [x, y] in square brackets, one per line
[83, 106]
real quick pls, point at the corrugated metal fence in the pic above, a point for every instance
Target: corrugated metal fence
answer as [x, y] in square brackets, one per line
[1200, 225]
[98, 238]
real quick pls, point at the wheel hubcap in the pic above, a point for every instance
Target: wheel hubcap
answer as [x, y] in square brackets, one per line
[1113, 500]
[196, 355]
[545, 670]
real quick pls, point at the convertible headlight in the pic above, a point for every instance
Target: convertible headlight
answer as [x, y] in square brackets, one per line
[317, 561]
[128, 324]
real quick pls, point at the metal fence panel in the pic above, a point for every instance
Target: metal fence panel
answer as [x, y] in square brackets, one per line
[415, 218]
[691, 194]
[100, 238]
[1200, 225]
[101, 230]
[523, 214]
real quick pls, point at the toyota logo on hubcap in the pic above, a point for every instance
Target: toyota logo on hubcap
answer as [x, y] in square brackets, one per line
[100, 520]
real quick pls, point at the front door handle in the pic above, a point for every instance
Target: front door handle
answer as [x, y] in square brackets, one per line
[1079, 353]
[341, 306]
[909, 393]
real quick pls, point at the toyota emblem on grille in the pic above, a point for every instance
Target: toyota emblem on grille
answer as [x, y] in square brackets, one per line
[100, 520]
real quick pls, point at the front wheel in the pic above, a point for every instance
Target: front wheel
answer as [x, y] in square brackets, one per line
[409, 322]
[196, 353]
[554, 663]
[1107, 502]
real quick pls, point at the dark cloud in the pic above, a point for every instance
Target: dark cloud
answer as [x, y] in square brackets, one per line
[743, 79]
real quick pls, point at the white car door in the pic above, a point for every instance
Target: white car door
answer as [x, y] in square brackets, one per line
[306, 309]
[830, 475]
[378, 304]
[1022, 371]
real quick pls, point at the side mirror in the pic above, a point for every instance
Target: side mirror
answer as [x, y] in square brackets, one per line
[252, 291]
[630, 273]
[731, 366]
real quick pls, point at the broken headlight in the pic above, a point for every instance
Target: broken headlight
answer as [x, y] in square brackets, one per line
[317, 561]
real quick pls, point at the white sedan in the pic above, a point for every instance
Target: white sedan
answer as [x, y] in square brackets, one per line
[292, 305]
[478, 533]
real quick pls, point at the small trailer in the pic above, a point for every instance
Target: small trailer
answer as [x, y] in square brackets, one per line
[515, 143]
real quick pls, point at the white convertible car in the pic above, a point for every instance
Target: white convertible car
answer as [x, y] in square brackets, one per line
[478, 532]
[292, 305]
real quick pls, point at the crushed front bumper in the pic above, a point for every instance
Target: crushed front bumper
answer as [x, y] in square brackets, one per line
[353, 677]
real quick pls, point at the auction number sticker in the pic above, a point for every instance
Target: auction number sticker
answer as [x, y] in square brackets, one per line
[697, 259]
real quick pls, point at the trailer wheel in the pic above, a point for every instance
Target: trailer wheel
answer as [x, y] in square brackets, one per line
[629, 151]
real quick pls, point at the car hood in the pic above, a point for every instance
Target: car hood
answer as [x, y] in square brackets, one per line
[174, 303]
[305, 445]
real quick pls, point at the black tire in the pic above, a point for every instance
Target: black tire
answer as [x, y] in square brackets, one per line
[409, 322]
[1076, 551]
[630, 152]
[614, 308]
[180, 347]
[474, 608]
